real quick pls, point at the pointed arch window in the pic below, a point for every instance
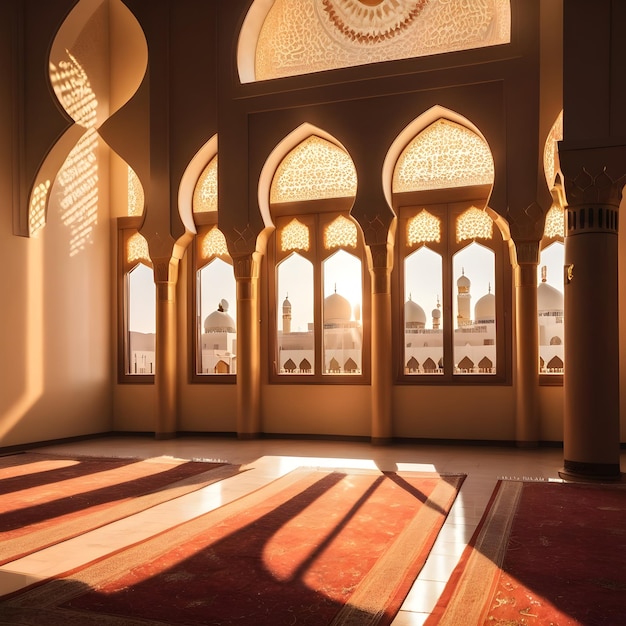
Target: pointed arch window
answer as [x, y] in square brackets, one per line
[453, 278]
[318, 296]
[213, 289]
[550, 298]
[137, 307]
[451, 307]
[316, 287]
[550, 273]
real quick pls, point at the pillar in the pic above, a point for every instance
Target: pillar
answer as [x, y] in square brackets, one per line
[166, 275]
[527, 431]
[382, 354]
[248, 348]
[591, 436]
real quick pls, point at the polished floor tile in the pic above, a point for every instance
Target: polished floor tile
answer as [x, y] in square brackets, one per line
[264, 460]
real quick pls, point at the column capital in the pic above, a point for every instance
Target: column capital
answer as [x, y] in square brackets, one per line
[165, 269]
[246, 266]
[527, 252]
[380, 260]
[594, 176]
[526, 224]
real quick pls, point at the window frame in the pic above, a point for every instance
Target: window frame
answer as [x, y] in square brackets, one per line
[448, 204]
[127, 227]
[316, 214]
[205, 222]
[549, 380]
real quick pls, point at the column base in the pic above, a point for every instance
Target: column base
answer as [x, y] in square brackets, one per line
[527, 445]
[381, 441]
[161, 436]
[578, 471]
[248, 436]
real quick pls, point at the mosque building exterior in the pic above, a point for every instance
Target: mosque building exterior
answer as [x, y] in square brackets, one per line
[550, 306]
[474, 338]
[343, 340]
[219, 342]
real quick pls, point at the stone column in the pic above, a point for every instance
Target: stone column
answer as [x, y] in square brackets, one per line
[591, 434]
[526, 345]
[166, 277]
[381, 333]
[248, 347]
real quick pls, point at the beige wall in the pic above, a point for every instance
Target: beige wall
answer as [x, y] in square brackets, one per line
[55, 352]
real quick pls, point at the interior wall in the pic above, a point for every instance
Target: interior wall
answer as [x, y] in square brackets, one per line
[54, 330]
[55, 365]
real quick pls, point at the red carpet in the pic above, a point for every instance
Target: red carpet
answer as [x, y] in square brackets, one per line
[544, 553]
[45, 499]
[312, 548]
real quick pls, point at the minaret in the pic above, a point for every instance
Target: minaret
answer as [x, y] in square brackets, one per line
[286, 315]
[437, 315]
[463, 300]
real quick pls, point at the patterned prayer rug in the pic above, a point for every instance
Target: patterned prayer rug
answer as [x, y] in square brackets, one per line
[45, 499]
[314, 547]
[544, 554]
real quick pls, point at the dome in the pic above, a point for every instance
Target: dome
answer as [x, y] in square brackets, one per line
[549, 299]
[286, 306]
[220, 321]
[414, 314]
[336, 309]
[485, 309]
[436, 314]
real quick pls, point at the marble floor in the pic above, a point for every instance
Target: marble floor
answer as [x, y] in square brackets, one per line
[268, 459]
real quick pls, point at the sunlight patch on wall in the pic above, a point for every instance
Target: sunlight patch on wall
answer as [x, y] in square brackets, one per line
[77, 194]
[73, 89]
[76, 183]
[443, 155]
[37, 207]
[313, 170]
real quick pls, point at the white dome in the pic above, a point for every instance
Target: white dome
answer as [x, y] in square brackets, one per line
[286, 305]
[413, 313]
[336, 309]
[220, 321]
[436, 313]
[485, 309]
[549, 299]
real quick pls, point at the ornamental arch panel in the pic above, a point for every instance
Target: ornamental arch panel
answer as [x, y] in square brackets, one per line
[281, 38]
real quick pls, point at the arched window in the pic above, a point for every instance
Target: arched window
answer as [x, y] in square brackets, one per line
[550, 305]
[452, 260]
[137, 291]
[317, 252]
[550, 275]
[214, 289]
[137, 316]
